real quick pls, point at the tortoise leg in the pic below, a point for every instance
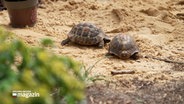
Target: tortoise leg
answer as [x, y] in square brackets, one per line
[135, 56]
[101, 44]
[108, 54]
[66, 41]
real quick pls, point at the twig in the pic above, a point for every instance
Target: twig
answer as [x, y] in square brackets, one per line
[180, 15]
[165, 60]
[115, 72]
[180, 3]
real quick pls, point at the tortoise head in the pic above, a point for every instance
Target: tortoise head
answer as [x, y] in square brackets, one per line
[106, 39]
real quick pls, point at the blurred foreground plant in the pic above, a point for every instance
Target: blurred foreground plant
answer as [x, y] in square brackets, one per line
[34, 69]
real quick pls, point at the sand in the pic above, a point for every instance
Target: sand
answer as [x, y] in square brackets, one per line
[156, 25]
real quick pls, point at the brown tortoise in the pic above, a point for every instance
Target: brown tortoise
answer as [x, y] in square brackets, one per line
[86, 34]
[124, 47]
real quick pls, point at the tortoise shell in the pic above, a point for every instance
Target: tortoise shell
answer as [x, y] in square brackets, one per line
[86, 34]
[124, 47]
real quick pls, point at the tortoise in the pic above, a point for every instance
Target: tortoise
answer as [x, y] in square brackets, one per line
[86, 34]
[124, 47]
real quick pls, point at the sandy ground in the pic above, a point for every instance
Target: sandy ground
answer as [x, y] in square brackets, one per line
[156, 25]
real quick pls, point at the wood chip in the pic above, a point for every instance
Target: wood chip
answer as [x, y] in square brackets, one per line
[115, 72]
[120, 13]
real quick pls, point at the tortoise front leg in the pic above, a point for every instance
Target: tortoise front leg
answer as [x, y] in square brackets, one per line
[66, 41]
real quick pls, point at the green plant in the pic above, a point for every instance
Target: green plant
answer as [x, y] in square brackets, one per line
[86, 74]
[47, 42]
[34, 69]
